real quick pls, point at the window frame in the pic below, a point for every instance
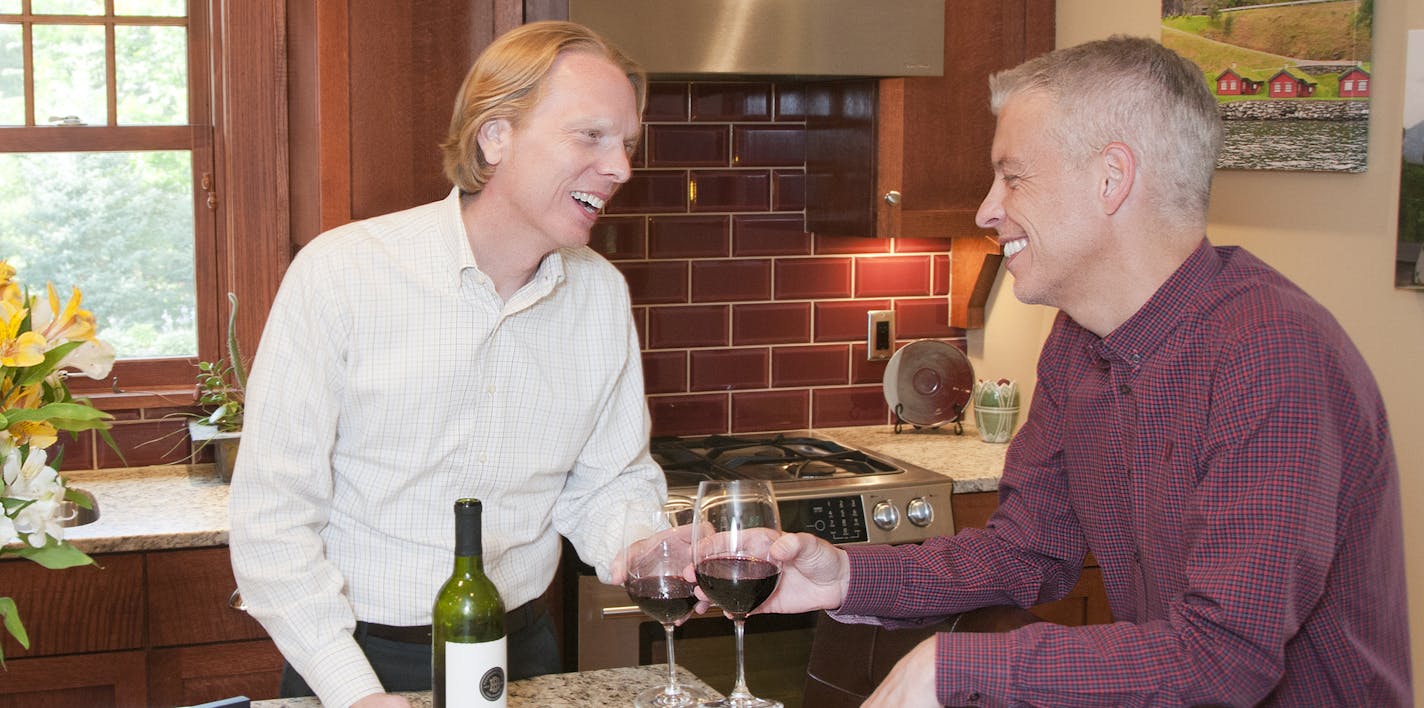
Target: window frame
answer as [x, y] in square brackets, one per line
[134, 382]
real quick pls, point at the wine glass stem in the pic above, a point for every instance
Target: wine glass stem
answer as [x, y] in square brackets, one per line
[739, 689]
[672, 688]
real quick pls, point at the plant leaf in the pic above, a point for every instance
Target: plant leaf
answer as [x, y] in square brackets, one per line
[56, 555]
[36, 373]
[11, 613]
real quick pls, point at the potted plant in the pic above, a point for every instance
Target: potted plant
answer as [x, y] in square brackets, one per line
[220, 389]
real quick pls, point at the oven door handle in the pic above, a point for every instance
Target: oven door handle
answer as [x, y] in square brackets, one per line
[621, 611]
[628, 610]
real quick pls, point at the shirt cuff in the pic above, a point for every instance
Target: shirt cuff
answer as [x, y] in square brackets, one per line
[974, 669]
[341, 675]
[875, 579]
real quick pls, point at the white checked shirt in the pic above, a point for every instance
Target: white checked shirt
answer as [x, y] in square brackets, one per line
[392, 380]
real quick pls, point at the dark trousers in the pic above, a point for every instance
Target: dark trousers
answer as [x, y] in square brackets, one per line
[401, 666]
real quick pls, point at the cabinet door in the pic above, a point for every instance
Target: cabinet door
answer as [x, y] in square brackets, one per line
[188, 593]
[182, 676]
[87, 609]
[105, 680]
[920, 144]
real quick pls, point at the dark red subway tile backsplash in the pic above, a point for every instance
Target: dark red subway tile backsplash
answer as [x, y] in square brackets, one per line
[771, 323]
[798, 278]
[655, 282]
[701, 414]
[892, 276]
[770, 235]
[822, 365]
[651, 192]
[687, 326]
[731, 280]
[688, 146]
[688, 236]
[768, 145]
[728, 369]
[730, 190]
[766, 411]
[748, 323]
[722, 102]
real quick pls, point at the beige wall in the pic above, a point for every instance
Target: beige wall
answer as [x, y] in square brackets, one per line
[1344, 257]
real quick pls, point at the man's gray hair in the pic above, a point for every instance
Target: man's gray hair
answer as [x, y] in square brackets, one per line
[1135, 91]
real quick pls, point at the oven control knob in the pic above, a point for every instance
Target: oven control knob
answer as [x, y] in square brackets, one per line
[919, 512]
[885, 516]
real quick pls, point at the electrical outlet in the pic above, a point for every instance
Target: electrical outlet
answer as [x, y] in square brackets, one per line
[880, 335]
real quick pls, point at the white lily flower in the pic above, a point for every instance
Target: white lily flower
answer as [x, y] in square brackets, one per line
[94, 358]
[32, 479]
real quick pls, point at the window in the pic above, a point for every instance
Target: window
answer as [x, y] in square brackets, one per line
[105, 159]
[1362, 85]
[1347, 86]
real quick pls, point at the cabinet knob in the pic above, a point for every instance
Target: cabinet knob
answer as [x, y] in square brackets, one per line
[892, 197]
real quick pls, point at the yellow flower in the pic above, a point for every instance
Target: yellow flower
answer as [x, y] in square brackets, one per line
[38, 434]
[18, 348]
[72, 324]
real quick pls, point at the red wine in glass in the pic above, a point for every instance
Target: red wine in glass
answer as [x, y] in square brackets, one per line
[666, 598]
[736, 583]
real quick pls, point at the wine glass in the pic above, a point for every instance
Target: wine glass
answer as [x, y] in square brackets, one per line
[657, 551]
[735, 525]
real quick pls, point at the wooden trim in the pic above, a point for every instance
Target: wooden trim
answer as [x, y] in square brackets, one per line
[95, 138]
[973, 265]
[250, 101]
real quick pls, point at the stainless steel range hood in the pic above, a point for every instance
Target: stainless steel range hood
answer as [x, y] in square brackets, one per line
[773, 37]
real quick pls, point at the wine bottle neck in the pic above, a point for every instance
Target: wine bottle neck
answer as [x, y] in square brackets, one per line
[467, 529]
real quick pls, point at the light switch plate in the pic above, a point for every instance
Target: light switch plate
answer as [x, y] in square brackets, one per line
[880, 334]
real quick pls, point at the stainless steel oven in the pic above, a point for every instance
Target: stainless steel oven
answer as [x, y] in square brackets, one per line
[841, 494]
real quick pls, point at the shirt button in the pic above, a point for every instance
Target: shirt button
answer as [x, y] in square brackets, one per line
[484, 457]
[490, 388]
[1125, 390]
[974, 697]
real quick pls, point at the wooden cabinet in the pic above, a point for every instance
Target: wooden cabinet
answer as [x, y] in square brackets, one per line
[371, 88]
[909, 157]
[138, 629]
[1088, 601]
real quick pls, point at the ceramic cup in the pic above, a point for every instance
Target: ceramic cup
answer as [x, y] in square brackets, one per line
[996, 425]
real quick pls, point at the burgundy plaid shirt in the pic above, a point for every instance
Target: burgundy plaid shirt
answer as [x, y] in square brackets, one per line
[1225, 456]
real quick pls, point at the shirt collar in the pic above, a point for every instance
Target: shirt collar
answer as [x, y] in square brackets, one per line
[456, 240]
[1148, 328]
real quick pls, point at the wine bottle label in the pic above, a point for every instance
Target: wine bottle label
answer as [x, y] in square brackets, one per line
[474, 674]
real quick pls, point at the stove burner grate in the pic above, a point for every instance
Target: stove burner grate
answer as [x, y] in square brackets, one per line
[777, 458]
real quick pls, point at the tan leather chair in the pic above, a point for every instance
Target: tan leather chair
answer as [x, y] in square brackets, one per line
[849, 660]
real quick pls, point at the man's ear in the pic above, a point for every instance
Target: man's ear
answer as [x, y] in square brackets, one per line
[493, 137]
[1119, 173]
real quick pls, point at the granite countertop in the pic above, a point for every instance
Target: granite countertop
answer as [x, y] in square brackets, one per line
[152, 508]
[974, 465]
[583, 689]
[185, 506]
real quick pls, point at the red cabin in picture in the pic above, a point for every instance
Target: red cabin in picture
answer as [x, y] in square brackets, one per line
[1233, 83]
[1355, 83]
[1285, 84]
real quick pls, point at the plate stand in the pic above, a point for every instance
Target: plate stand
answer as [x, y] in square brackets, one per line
[900, 422]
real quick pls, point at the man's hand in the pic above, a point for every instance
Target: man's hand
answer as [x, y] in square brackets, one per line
[911, 683]
[814, 576]
[382, 700]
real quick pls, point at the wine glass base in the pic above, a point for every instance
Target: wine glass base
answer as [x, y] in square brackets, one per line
[745, 702]
[658, 697]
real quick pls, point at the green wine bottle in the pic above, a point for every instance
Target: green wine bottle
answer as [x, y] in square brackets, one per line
[468, 666]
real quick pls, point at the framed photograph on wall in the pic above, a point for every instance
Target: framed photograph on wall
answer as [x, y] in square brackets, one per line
[1292, 77]
[1409, 263]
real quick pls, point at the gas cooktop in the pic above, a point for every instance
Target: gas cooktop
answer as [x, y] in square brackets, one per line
[774, 458]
